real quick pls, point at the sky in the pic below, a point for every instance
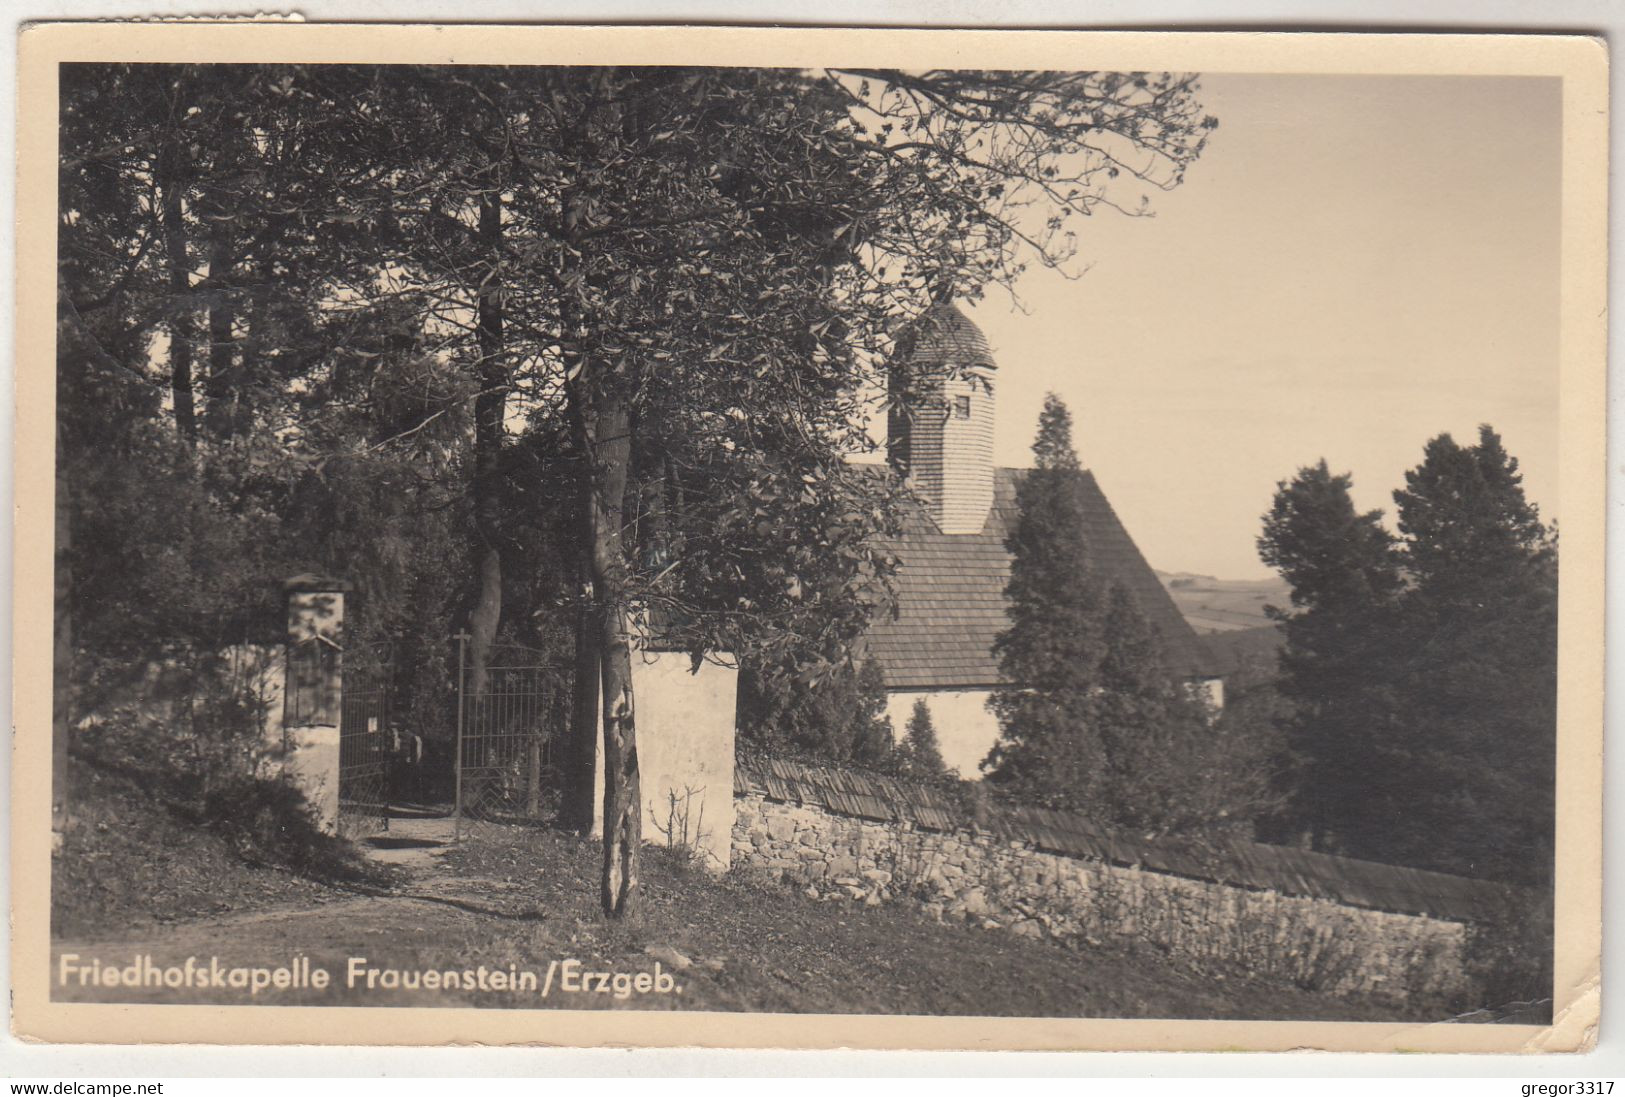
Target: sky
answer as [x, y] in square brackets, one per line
[1355, 265]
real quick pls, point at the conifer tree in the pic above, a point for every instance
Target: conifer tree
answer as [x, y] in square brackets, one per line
[1477, 702]
[921, 754]
[1468, 529]
[869, 728]
[1092, 719]
[1345, 576]
[1173, 763]
[1423, 671]
[1051, 653]
[1146, 721]
[839, 715]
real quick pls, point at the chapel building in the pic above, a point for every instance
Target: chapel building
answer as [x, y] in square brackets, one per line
[953, 564]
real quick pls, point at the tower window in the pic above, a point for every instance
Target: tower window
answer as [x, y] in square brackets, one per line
[961, 407]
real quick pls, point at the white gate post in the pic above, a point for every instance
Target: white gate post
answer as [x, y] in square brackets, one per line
[685, 721]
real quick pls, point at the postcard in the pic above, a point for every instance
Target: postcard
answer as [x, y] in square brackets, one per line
[743, 537]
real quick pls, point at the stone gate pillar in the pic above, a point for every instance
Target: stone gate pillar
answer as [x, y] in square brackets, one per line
[685, 722]
[312, 698]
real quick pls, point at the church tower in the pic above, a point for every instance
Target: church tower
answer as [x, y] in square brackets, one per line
[939, 429]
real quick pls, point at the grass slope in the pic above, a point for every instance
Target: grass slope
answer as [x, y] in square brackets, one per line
[136, 858]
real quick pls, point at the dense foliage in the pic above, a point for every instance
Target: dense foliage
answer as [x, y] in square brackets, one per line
[560, 354]
[1093, 720]
[1343, 569]
[1423, 667]
[838, 713]
[1052, 652]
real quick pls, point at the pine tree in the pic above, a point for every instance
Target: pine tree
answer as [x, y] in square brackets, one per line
[869, 729]
[1423, 672]
[1477, 702]
[838, 714]
[1135, 710]
[1052, 651]
[1345, 575]
[1173, 763]
[1468, 529]
[921, 756]
[1146, 721]
[1092, 719]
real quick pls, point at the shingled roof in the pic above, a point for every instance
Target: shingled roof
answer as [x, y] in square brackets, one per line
[951, 603]
[943, 333]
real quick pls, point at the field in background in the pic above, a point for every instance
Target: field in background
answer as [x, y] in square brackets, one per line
[1224, 605]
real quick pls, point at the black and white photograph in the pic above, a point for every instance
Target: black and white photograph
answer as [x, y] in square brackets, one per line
[836, 526]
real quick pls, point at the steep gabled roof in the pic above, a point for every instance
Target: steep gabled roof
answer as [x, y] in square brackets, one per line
[951, 602]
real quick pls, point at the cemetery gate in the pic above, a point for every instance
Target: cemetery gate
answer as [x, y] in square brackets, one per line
[512, 716]
[366, 740]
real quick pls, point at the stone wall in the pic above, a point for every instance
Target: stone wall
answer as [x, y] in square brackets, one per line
[966, 874]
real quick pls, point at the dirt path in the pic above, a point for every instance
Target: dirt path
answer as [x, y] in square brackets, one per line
[419, 922]
[415, 840]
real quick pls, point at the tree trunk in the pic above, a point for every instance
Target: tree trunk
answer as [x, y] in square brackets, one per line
[490, 406]
[623, 793]
[582, 750]
[225, 395]
[485, 616]
[533, 775]
[601, 420]
[180, 288]
[603, 426]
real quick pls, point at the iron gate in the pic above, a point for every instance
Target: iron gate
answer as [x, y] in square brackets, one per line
[365, 743]
[511, 713]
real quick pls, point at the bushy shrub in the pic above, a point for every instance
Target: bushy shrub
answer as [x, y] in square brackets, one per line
[269, 822]
[201, 755]
[835, 716]
[1508, 955]
[185, 726]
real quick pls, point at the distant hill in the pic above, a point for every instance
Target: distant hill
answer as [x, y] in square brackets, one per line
[1224, 605]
